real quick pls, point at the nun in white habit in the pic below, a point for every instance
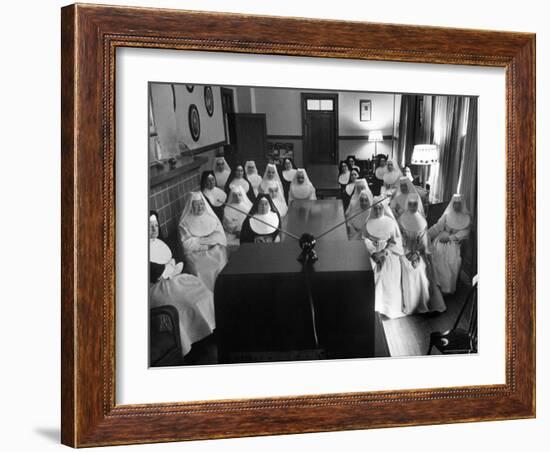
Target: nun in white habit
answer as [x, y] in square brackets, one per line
[420, 291]
[447, 235]
[391, 178]
[399, 202]
[221, 171]
[276, 194]
[301, 187]
[358, 218]
[203, 239]
[384, 244]
[235, 213]
[187, 293]
[270, 175]
[252, 175]
[360, 185]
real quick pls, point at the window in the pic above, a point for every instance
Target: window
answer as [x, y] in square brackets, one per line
[320, 104]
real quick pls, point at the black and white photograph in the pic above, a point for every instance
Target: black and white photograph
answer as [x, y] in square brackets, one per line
[283, 227]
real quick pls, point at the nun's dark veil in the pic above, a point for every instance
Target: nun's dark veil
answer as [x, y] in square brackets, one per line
[247, 234]
[204, 176]
[227, 188]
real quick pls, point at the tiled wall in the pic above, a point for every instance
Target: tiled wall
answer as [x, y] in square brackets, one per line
[168, 198]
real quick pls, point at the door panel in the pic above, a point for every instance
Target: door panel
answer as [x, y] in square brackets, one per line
[320, 121]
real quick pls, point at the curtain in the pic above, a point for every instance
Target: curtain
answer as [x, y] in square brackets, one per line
[449, 116]
[407, 129]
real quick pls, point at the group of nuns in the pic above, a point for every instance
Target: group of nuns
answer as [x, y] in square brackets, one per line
[232, 206]
[413, 265]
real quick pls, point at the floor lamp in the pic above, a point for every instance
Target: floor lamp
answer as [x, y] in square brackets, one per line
[425, 155]
[374, 137]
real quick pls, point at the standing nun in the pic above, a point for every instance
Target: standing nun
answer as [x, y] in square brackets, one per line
[270, 175]
[261, 226]
[401, 198]
[252, 175]
[221, 171]
[238, 177]
[301, 187]
[214, 195]
[358, 217]
[187, 293]
[447, 235]
[234, 214]
[203, 239]
[420, 291]
[287, 174]
[383, 242]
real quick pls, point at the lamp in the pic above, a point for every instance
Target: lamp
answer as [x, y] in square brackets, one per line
[425, 155]
[375, 136]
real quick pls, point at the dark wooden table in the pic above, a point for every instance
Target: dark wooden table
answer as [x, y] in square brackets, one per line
[262, 304]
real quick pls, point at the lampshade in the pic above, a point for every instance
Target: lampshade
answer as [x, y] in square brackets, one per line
[376, 135]
[425, 154]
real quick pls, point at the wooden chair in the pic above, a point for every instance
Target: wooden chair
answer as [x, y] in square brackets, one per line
[164, 337]
[459, 340]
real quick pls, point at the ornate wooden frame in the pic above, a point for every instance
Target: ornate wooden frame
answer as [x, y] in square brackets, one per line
[90, 36]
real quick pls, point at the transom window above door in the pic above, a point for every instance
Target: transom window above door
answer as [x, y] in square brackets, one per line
[320, 104]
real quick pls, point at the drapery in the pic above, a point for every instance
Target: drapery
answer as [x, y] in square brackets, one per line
[407, 129]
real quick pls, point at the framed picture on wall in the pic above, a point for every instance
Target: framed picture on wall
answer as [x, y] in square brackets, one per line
[110, 392]
[365, 110]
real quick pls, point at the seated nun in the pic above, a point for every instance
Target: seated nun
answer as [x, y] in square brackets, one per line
[420, 291]
[203, 239]
[187, 293]
[401, 197]
[252, 175]
[358, 217]
[238, 206]
[263, 223]
[343, 175]
[381, 168]
[301, 187]
[391, 178]
[274, 191]
[352, 163]
[287, 174]
[348, 191]
[270, 175]
[214, 195]
[238, 177]
[360, 185]
[383, 242]
[447, 235]
[221, 171]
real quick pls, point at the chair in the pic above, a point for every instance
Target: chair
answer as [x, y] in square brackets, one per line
[164, 337]
[459, 340]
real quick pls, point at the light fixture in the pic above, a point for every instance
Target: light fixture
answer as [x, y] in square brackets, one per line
[374, 137]
[425, 155]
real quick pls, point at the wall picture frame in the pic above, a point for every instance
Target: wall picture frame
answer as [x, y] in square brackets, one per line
[91, 36]
[365, 110]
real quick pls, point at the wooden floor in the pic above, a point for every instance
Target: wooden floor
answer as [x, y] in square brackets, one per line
[410, 336]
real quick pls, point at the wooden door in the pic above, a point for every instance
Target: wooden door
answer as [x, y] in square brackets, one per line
[320, 127]
[250, 139]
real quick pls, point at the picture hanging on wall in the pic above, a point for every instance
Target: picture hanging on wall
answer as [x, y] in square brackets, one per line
[194, 122]
[209, 100]
[365, 110]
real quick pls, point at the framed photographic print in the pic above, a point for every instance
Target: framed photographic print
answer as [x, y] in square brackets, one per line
[365, 110]
[380, 274]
